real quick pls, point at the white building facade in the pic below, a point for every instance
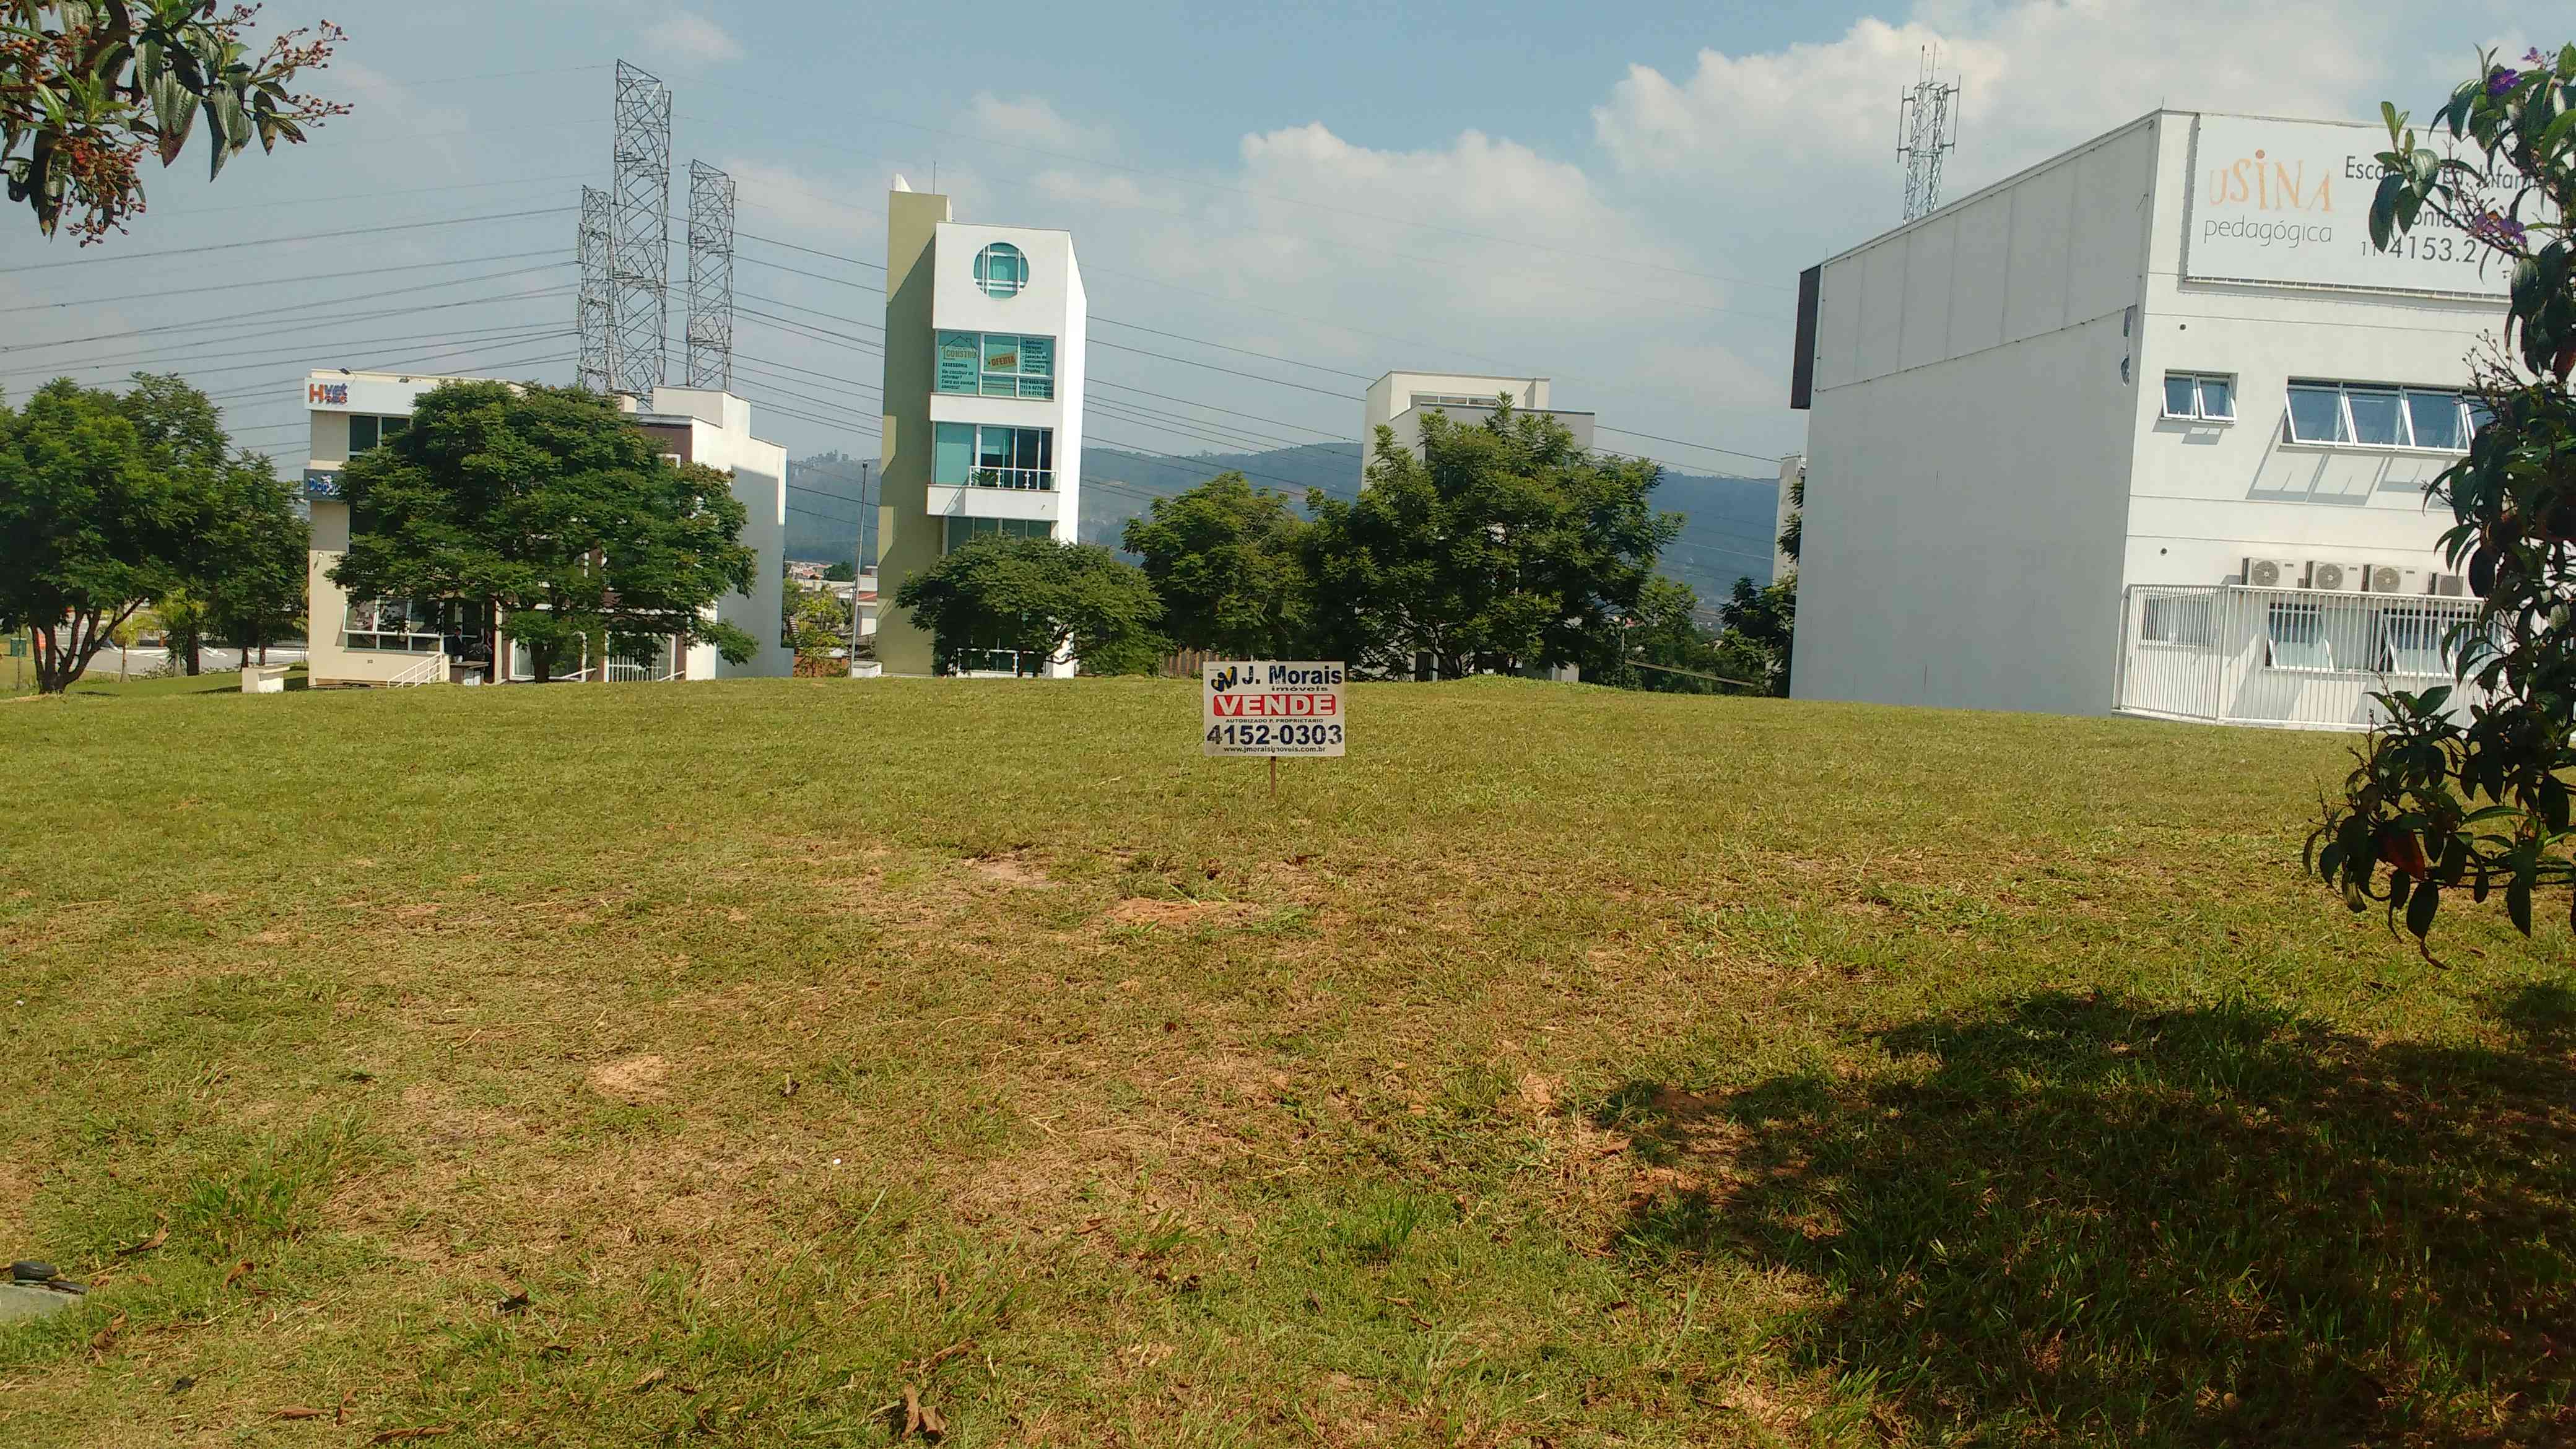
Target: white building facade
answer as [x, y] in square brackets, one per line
[2146, 427]
[985, 341]
[424, 641]
[1398, 400]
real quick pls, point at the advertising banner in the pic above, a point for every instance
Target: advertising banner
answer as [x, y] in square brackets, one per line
[2289, 202]
[1270, 707]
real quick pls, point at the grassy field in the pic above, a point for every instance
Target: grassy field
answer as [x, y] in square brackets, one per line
[728, 1062]
[104, 683]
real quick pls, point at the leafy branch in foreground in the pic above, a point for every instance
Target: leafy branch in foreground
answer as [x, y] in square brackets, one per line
[2437, 804]
[87, 87]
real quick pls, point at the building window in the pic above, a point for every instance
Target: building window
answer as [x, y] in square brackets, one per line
[1001, 271]
[960, 530]
[989, 455]
[2411, 642]
[366, 432]
[2295, 638]
[2380, 416]
[2178, 619]
[995, 364]
[405, 626]
[2201, 397]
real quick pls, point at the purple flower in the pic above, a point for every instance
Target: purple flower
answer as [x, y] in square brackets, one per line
[2497, 230]
[2502, 80]
[2534, 58]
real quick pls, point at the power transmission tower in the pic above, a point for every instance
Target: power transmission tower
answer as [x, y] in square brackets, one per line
[596, 368]
[1927, 118]
[710, 323]
[639, 251]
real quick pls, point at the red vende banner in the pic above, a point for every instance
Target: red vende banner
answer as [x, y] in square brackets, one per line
[1275, 706]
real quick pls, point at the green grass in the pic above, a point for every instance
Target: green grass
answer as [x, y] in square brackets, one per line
[626, 1065]
[106, 685]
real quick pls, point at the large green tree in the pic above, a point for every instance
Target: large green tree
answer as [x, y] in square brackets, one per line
[1503, 545]
[242, 557]
[2440, 805]
[1668, 649]
[547, 505]
[92, 525]
[88, 88]
[1228, 562]
[1037, 598]
[1758, 625]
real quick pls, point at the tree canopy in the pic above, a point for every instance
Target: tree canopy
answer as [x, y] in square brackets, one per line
[241, 558]
[1226, 560]
[89, 87]
[1504, 545]
[547, 504]
[94, 522]
[2439, 804]
[1036, 598]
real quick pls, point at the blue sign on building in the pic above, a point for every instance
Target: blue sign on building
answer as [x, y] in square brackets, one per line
[321, 483]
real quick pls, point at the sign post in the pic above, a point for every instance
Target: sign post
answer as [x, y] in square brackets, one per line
[1273, 708]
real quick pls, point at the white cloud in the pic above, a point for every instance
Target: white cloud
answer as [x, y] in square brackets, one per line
[813, 203]
[684, 37]
[1123, 192]
[1033, 122]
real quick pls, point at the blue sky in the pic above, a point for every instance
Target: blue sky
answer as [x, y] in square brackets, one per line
[1617, 196]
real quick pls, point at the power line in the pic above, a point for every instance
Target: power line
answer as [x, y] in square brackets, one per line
[292, 308]
[284, 240]
[297, 280]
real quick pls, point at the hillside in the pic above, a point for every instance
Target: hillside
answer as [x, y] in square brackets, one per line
[1726, 533]
[1515, 1080]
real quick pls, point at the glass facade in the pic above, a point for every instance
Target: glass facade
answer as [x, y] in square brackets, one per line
[367, 431]
[995, 364]
[960, 530]
[2435, 419]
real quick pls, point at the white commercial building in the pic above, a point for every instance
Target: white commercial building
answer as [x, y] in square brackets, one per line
[2146, 427]
[419, 641]
[985, 329]
[1399, 399]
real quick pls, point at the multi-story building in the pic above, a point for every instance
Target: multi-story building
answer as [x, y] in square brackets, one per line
[415, 641]
[2146, 427]
[984, 337]
[1399, 399]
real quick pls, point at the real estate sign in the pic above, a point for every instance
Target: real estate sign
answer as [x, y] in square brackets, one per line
[2289, 202]
[1271, 707]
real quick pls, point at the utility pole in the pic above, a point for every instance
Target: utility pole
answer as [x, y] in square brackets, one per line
[1927, 119]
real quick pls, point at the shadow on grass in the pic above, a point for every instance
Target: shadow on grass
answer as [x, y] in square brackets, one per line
[2074, 1218]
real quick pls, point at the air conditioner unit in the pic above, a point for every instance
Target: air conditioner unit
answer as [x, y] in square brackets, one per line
[2273, 573]
[2334, 578]
[2390, 579]
[2450, 586]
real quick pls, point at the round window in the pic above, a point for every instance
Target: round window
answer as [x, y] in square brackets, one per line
[1000, 270]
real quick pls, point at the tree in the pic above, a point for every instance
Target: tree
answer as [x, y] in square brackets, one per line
[2435, 804]
[242, 555]
[544, 503]
[91, 528]
[1793, 534]
[818, 625]
[1758, 625]
[87, 87]
[1503, 545]
[1227, 561]
[843, 572]
[1664, 631]
[183, 620]
[1037, 598]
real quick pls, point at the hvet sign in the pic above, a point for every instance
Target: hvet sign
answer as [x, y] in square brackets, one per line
[1271, 707]
[2289, 201]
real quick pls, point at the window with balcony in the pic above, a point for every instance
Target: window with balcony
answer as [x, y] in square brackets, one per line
[2412, 641]
[2178, 619]
[2367, 415]
[2295, 638]
[995, 364]
[990, 455]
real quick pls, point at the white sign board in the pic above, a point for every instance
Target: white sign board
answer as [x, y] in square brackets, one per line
[1271, 707]
[2289, 201]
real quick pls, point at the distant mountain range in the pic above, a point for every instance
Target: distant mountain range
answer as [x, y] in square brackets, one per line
[1726, 531]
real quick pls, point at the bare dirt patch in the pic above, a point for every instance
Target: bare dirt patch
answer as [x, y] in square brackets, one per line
[631, 1079]
[1010, 870]
[1137, 911]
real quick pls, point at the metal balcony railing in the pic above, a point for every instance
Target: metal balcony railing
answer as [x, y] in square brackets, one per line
[2286, 658]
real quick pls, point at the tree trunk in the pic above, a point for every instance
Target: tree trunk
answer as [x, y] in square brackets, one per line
[196, 654]
[541, 658]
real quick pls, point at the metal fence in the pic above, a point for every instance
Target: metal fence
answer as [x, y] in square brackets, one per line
[2289, 658]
